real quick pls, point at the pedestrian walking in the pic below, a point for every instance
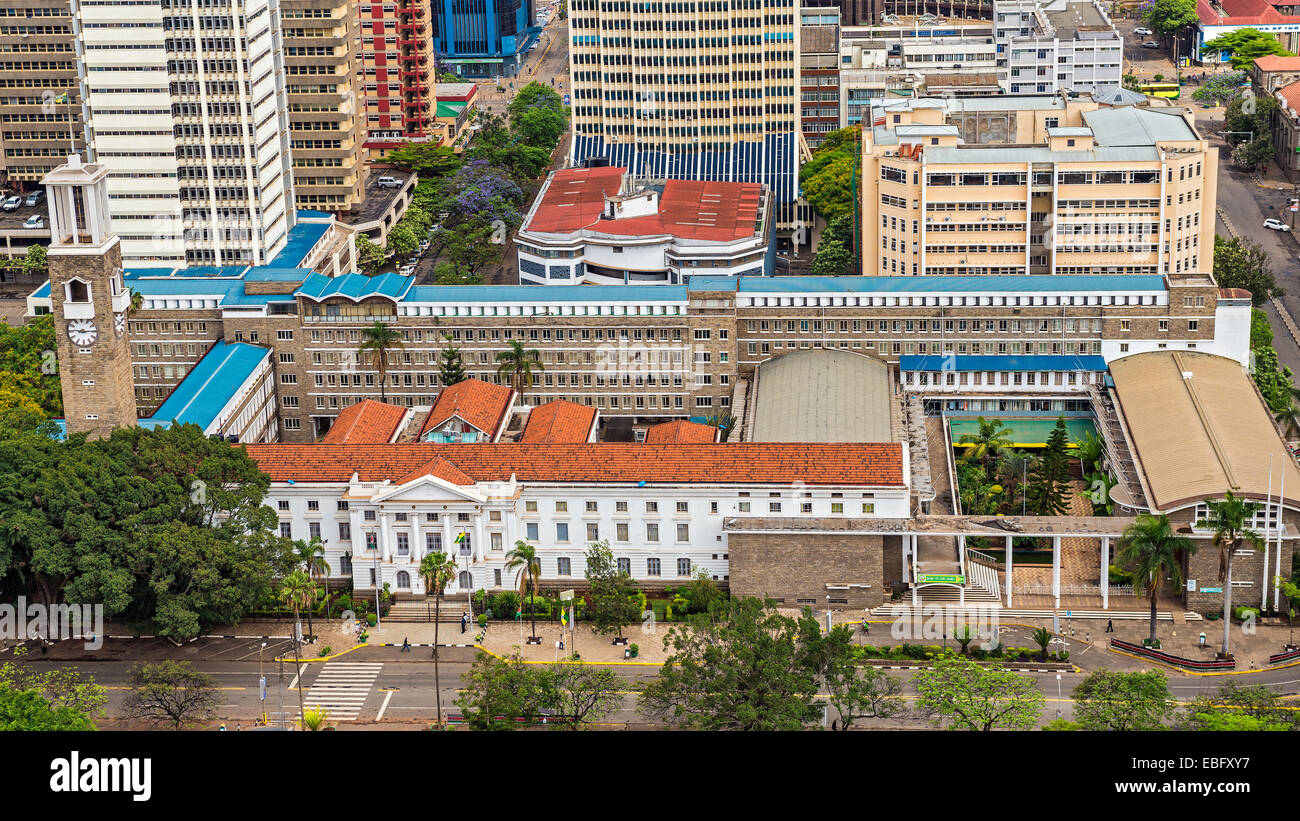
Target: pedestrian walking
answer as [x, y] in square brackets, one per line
[464, 622]
[1110, 626]
[406, 645]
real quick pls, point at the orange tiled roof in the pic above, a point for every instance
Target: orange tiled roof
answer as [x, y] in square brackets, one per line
[557, 422]
[366, 423]
[1234, 293]
[479, 403]
[440, 468]
[1291, 93]
[866, 464]
[679, 430]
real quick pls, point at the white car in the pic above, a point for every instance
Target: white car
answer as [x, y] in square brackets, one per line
[11, 203]
[1277, 225]
[35, 221]
[1150, 44]
[1143, 32]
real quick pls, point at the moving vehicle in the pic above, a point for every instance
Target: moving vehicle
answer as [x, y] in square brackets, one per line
[406, 270]
[1150, 44]
[1277, 225]
[388, 182]
[35, 198]
[1143, 32]
[1168, 90]
[11, 203]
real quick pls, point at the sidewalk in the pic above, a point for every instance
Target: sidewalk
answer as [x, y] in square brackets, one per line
[503, 637]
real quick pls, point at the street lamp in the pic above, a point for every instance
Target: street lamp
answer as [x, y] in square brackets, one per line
[1058, 695]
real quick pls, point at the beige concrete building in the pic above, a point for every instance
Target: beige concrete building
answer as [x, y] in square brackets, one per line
[38, 64]
[322, 68]
[1067, 188]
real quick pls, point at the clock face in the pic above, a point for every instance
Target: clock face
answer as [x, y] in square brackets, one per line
[119, 323]
[82, 332]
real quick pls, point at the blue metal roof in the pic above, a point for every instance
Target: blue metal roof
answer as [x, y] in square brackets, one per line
[302, 238]
[356, 286]
[940, 362]
[1101, 283]
[546, 293]
[213, 382]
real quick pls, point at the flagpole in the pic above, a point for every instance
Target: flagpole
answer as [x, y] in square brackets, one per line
[1268, 510]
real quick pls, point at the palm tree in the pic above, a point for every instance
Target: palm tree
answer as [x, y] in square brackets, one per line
[1154, 551]
[1090, 451]
[312, 555]
[518, 364]
[437, 569]
[985, 445]
[1229, 519]
[1289, 419]
[298, 591]
[378, 340]
[524, 559]
[1012, 470]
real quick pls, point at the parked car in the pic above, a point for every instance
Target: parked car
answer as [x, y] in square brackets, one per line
[406, 270]
[11, 203]
[1143, 32]
[1277, 225]
[35, 198]
[35, 221]
[1150, 44]
[388, 182]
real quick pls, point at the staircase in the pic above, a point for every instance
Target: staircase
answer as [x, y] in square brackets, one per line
[1117, 449]
[422, 611]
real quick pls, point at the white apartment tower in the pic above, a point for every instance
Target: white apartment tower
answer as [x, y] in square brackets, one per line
[186, 107]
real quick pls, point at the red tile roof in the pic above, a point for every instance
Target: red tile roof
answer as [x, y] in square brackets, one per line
[1273, 62]
[437, 467]
[876, 464]
[680, 430]
[1291, 93]
[1234, 293]
[366, 423]
[1241, 13]
[690, 209]
[482, 404]
[559, 422]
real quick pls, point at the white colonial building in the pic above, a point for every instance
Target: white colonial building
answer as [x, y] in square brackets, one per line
[379, 509]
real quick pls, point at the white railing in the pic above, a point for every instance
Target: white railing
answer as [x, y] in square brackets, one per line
[1073, 589]
[985, 577]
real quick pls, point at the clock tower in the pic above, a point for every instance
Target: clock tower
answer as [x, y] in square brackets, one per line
[90, 301]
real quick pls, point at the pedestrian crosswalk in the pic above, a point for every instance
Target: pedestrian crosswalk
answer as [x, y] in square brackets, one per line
[341, 689]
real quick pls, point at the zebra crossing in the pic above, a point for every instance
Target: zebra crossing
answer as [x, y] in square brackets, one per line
[341, 688]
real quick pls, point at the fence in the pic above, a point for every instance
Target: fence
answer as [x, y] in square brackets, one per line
[1177, 661]
[1279, 658]
[1072, 589]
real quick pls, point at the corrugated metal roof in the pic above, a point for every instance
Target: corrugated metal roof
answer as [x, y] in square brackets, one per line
[822, 395]
[1019, 285]
[939, 362]
[213, 382]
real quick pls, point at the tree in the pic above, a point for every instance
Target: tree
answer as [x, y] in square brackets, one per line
[437, 569]
[724, 422]
[612, 605]
[1043, 638]
[427, 160]
[1050, 484]
[990, 438]
[1153, 552]
[1012, 472]
[1240, 707]
[1166, 17]
[857, 692]
[1220, 88]
[63, 686]
[1246, 124]
[448, 273]
[832, 258]
[518, 365]
[165, 528]
[28, 363]
[403, 240]
[1246, 45]
[582, 694]
[315, 718]
[965, 695]
[298, 591]
[1123, 702]
[498, 692]
[379, 341]
[29, 711]
[528, 569]
[370, 257]
[1230, 519]
[1261, 332]
[1255, 154]
[172, 693]
[312, 556]
[742, 666]
[451, 370]
[473, 244]
[1289, 419]
[1242, 263]
[827, 179]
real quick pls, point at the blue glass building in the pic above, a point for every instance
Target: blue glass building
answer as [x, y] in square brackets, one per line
[483, 38]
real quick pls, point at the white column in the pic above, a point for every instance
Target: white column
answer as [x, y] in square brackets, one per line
[384, 544]
[1008, 566]
[1056, 571]
[447, 546]
[417, 543]
[1105, 572]
[479, 536]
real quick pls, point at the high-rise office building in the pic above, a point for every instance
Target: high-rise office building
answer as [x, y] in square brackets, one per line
[698, 90]
[484, 38]
[187, 111]
[40, 100]
[399, 84]
[326, 115]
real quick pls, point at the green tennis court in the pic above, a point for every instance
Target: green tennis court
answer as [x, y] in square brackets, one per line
[1025, 433]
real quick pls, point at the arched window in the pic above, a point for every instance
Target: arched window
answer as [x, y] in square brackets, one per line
[403, 580]
[465, 580]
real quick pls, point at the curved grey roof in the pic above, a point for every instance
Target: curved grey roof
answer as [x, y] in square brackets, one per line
[822, 395]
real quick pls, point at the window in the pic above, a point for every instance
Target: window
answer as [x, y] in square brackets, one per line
[286, 530]
[683, 567]
[805, 507]
[403, 580]
[530, 531]
[561, 531]
[369, 515]
[837, 507]
[683, 507]
[496, 541]
[625, 566]
[562, 567]
[620, 532]
[313, 530]
[561, 507]
[403, 544]
[593, 532]
[683, 533]
[773, 507]
[590, 507]
[652, 567]
[868, 507]
[313, 504]
[652, 532]
[282, 504]
[496, 577]
[651, 507]
[345, 532]
[433, 542]
[620, 507]
[530, 507]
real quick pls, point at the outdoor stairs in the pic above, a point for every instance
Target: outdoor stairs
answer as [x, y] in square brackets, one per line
[942, 594]
[1007, 614]
[422, 611]
[1117, 449]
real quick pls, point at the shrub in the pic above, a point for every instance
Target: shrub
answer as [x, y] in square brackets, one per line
[325, 651]
[1242, 613]
[505, 604]
[1119, 575]
[372, 619]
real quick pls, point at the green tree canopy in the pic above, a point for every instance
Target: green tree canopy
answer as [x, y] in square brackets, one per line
[1171, 16]
[963, 695]
[827, 180]
[612, 604]
[1246, 45]
[29, 711]
[1111, 700]
[370, 257]
[428, 160]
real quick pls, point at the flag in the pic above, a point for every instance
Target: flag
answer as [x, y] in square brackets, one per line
[519, 614]
[61, 99]
[461, 538]
[564, 616]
